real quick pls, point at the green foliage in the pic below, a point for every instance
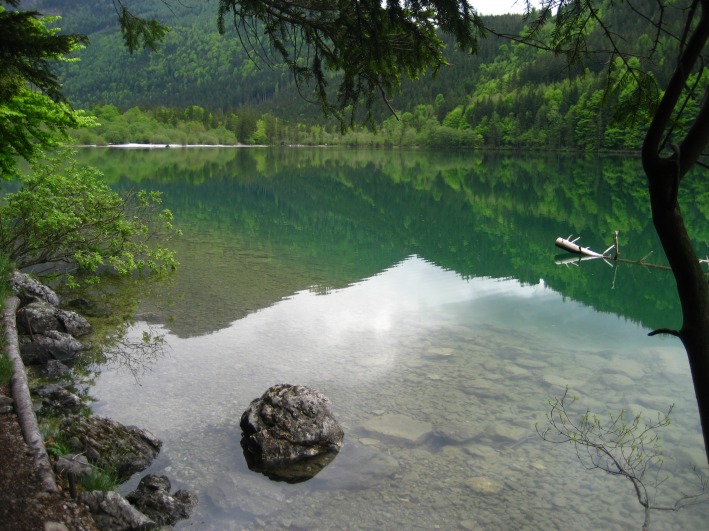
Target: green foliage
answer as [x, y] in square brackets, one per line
[99, 479]
[510, 95]
[139, 33]
[621, 445]
[66, 214]
[372, 45]
[28, 49]
[32, 120]
[31, 123]
[54, 440]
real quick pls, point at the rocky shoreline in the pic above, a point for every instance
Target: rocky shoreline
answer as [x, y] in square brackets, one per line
[39, 332]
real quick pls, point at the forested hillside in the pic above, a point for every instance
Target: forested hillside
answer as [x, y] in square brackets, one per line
[508, 95]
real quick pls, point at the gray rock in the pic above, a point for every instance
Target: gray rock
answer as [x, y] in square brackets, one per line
[110, 444]
[55, 397]
[73, 464]
[40, 317]
[73, 323]
[152, 498]
[37, 318]
[286, 425]
[30, 290]
[112, 512]
[53, 345]
[55, 369]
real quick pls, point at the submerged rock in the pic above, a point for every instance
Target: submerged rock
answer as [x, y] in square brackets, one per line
[397, 426]
[111, 445]
[289, 433]
[153, 499]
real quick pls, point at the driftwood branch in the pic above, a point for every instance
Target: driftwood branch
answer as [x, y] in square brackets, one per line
[23, 402]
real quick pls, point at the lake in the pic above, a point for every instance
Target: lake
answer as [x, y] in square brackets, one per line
[422, 293]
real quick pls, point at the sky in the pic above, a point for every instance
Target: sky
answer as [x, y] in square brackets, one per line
[498, 7]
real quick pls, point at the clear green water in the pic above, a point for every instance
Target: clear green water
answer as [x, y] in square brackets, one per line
[420, 293]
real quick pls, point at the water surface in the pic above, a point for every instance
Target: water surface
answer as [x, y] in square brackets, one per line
[420, 293]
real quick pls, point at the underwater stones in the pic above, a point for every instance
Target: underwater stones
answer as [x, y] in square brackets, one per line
[440, 353]
[507, 433]
[398, 426]
[457, 432]
[361, 466]
[289, 433]
[482, 451]
[482, 388]
[261, 499]
[484, 485]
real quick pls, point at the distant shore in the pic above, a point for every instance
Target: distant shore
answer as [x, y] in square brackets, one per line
[135, 145]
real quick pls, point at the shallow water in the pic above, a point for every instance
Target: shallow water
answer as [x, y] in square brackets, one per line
[438, 377]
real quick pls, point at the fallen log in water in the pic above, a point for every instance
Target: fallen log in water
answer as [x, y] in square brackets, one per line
[572, 247]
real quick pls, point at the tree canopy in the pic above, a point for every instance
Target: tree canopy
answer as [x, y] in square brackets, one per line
[372, 43]
[34, 115]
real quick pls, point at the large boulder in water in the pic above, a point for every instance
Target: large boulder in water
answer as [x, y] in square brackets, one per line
[289, 433]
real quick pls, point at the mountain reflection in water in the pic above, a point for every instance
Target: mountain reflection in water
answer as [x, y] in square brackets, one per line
[419, 292]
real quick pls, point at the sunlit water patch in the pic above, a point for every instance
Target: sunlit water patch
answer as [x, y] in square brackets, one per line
[439, 382]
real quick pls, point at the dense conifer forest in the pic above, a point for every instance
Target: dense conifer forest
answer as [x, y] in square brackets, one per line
[201, 87]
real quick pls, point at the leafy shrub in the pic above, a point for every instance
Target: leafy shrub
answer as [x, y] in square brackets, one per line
[66, 214]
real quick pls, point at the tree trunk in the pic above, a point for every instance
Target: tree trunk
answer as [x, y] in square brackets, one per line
[692, 286]
[664, 173]
[23, 402]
